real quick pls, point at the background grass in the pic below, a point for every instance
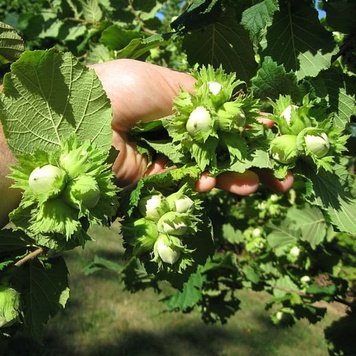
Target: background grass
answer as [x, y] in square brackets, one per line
[102, 319]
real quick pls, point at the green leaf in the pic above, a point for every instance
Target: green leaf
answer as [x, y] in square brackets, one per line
[257, 17]
[339, 90]
[13, 242]
[198, 14]
[91, 10]
[11, 44]
[326, 290]
[116, 38]
[49, 96]
[272, 80]
[282, 284]
[189, 296]
[340, 15]
[329, 193]
[312, 223]
[224, 43]
[73, 33]
[53, 27]
[282, 237]
[231, 234]
[166, 148]
[44, 287]
[139, 47]
[298, 40]
[101, 263]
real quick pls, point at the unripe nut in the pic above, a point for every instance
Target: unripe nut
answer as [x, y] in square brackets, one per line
[214, 87]
[318, 144]
[83, 190]
[284, 148]
[165, 252]
[295, 251]
[183, 204]
[287, 112]
[46, 178]
[199, 120]
[173, 223]
[153, 206]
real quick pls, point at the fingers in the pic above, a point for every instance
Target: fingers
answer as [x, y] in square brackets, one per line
[205, 183]
[157, 166]
[129, 165]
[238, 183]
[263, 119]
[278, 186]
[248, 182]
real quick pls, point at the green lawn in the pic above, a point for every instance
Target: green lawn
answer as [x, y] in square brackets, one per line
[102, 319]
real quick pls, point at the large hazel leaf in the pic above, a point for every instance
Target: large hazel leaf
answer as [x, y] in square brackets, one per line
[224, 43]
[282, 237]
[11, 44]
[44, 289]
[311, 222]
[49, 96]
[298, 40]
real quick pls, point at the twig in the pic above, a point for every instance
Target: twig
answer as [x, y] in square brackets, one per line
[138, 19]
[301, 294]
[75, 19]
[32, 255]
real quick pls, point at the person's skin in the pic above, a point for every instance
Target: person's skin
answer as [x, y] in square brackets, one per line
[9, 198]
[141, 91]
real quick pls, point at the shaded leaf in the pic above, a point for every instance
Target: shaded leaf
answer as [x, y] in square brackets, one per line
[11, 44]
[340, 91]
[340, 15]
[12, 241]
[224, 43]
[199, 13]
[312, 223]
[189, 296]
[282, 237]
[115, 37]
[294, 40]
[44, 287]
[139, 47]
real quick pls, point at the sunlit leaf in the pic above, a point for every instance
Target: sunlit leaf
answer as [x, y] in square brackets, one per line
[49, 96]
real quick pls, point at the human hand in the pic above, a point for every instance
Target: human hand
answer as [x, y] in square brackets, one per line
[143, 91]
